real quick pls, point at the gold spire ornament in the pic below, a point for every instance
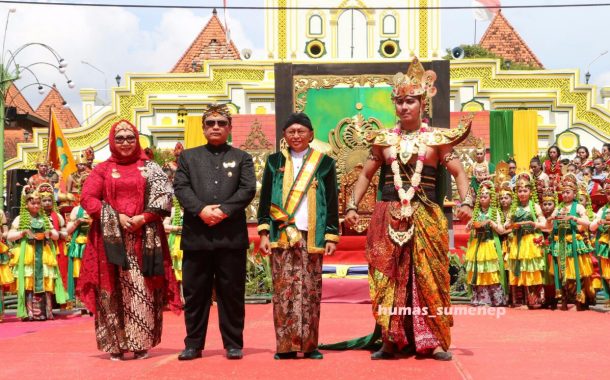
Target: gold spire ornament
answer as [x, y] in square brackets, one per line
[417, 81]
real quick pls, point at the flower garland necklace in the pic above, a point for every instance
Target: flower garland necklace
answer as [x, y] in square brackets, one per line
[405, 154]
[403, 150]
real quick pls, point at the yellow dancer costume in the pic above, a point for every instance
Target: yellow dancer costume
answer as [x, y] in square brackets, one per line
[526, 259]
[484, 261]
[34, 260]
[173, 226]
[572, 266]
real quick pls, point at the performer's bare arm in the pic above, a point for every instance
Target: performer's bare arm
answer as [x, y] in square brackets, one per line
[541, 220]
[69, 184]
[597, 221]
[371, 166]
[449, 158]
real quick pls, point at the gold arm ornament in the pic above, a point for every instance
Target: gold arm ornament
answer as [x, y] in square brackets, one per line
[351, 204]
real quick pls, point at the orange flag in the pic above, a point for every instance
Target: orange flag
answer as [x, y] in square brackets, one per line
[59, 153]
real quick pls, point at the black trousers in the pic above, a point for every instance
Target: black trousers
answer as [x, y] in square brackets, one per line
[201, 271]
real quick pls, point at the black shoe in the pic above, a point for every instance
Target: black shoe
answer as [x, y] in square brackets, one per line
[285, 355]
[382, 355]
[234, 353]
[442, 355]
[315, 354]
[116, 357]
[189, 354]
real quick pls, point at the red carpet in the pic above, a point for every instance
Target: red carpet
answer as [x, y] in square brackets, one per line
[522, 344]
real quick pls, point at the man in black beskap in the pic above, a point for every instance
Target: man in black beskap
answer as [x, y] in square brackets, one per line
[214, 183]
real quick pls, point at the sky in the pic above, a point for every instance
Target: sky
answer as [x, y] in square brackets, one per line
[118, 40]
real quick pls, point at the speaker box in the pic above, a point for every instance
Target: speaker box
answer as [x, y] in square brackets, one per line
[15, 180]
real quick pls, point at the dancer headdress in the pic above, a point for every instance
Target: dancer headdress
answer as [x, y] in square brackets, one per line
[569, 181]
[29, 192]
[81, 159]
[45, 190]
[486, 187]
[417, 81]
[41, 159]
[524, 180]
[548, 194]
[505, 188]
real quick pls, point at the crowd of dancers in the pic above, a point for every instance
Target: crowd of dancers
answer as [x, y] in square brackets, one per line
[540, 238]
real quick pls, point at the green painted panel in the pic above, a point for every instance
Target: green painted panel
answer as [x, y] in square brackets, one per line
[326, 107]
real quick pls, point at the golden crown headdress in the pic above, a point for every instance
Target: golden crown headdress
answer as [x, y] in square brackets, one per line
[217, 109]
[524, 180]
[29, 192]
[504, 188]
[417, 81]
[596, 154]
[480, 147]
[45, 189]
[501, 174]
[569, 181]
[548, 194]
[41, 159]
[486, 187]
[582, 188]
[81, 159]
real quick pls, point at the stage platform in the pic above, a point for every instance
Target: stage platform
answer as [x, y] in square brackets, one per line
[522, 344]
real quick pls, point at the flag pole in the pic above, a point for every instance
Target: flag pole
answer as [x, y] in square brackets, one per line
[50, 134]
[474, 42]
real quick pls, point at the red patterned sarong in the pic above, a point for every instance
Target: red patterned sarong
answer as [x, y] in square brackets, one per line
[414, 277]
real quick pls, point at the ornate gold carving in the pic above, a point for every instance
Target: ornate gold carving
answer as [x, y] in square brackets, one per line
[129, 103]
[256, 139]
[423, 29]
[259, 159]
[259, 148]
[351, 149]
[282, 27]
[559, 85]
[303, 83]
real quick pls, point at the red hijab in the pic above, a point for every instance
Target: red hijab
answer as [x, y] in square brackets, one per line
[116, 156]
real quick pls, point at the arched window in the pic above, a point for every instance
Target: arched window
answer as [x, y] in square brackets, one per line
[352, 35]
[389, 24]
[315, 25]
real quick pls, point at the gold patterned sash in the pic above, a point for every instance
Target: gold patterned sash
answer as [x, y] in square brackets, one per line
[288, 231]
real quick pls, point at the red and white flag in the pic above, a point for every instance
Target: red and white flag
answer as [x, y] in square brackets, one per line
[489, 10]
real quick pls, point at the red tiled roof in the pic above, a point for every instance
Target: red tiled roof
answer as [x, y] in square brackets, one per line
[11, 138]
[14, 98]
[211, 43]
[503, 40]
[65, 116]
